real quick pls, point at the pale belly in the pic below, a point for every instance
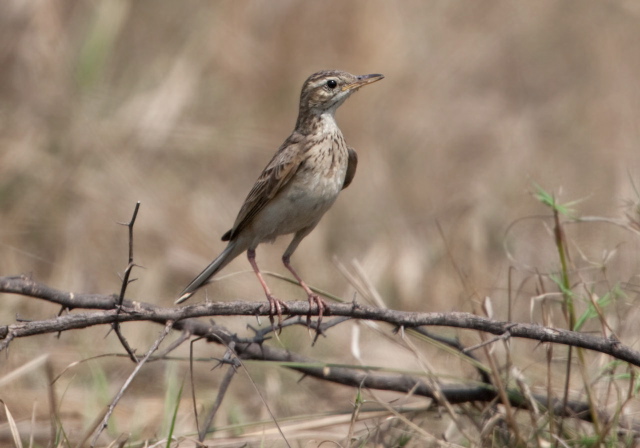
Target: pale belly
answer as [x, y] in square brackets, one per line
[301, 204]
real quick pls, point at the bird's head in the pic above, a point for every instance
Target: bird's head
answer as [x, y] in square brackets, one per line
[325, 91]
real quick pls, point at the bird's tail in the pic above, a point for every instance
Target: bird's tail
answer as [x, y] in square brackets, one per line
[232, 250]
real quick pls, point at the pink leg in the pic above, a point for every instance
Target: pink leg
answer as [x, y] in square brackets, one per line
[313, 297]
[275, 305]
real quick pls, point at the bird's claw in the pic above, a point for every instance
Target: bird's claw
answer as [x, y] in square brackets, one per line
[275, 308]
[322, 307]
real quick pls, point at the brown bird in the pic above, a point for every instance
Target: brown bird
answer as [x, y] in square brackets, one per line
[300, 183]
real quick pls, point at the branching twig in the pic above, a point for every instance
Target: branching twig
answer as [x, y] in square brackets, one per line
[126, 384]
[125, 284]
[222, 391]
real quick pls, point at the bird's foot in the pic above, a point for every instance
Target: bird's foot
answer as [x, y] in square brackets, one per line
[323, 307]
[275, 308]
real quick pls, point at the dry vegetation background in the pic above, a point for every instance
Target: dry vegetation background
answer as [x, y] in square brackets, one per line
[179, 105]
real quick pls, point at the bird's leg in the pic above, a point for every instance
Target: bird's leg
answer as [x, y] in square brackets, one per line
[313, 297]
[275, 305]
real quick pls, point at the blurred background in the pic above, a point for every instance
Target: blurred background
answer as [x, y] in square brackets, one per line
[180, 105]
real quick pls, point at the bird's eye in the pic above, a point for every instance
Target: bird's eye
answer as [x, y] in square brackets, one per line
[332, 83]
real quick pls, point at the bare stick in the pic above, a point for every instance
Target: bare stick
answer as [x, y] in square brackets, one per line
[125, 283]
[222, 391]
[126, 384]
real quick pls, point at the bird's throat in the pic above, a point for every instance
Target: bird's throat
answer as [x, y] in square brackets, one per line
[318, 124]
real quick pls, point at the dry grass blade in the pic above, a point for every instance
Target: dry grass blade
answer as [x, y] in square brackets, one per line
[12, 425]
[430, 437]
[24, 369]
[33, 423]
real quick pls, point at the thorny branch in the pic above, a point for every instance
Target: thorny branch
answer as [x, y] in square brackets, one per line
[184, 319]
[140, 311]
[125, 284]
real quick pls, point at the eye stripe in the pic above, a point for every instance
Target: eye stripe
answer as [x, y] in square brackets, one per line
[319, 83]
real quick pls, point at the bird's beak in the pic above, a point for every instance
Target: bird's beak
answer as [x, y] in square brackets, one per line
[362, 80]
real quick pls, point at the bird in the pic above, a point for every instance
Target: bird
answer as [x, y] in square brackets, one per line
[297, 187]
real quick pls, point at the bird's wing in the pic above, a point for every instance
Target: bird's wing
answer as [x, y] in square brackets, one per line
[351, 167]
[273, 179]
